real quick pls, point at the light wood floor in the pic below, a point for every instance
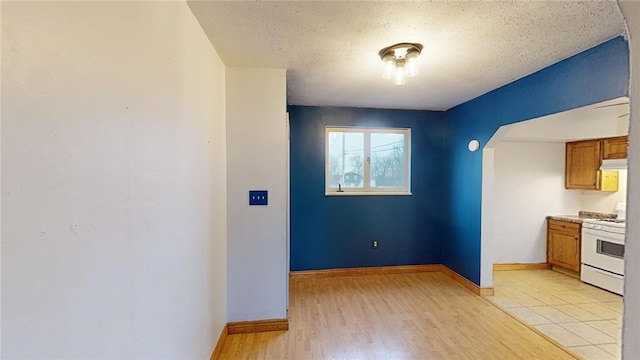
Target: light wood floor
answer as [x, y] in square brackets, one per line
[405, 316]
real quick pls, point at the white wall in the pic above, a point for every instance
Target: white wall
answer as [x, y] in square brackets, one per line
[256, 159]
[603, 201]
[631, 322]
[529, 185]
[113, 182]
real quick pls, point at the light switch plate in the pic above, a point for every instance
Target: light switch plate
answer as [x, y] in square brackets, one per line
[258, 197]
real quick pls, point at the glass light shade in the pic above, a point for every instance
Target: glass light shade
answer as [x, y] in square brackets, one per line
[389, 67]
[400, 78]
[412, 64]
[400, 61]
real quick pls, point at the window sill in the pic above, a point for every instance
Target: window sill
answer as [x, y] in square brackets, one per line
[368, 193]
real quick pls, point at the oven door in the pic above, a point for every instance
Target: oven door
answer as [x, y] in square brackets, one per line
[603, 250]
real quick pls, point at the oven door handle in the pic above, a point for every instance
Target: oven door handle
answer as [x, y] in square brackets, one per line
[609, 237]
[616, 276]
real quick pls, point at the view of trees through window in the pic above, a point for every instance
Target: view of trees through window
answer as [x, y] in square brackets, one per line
[387, 160]
[355, 156]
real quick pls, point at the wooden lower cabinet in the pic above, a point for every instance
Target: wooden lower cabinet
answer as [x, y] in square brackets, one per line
[563, 244]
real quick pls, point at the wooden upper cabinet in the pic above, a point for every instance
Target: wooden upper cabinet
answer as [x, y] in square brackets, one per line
[615, 148]
[583, 162]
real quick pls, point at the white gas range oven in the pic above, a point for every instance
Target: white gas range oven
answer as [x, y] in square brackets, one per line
[603, 254]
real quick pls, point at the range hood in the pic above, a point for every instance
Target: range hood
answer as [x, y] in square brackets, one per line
[614, 164]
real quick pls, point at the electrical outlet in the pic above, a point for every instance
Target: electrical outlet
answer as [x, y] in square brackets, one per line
[375, 244]
[258, 197]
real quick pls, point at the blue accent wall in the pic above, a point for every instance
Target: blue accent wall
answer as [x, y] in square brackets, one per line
[440, 222]
[337, 231]
[598, 74]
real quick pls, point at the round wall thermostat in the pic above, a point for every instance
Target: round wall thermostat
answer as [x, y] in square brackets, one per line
[474, 145]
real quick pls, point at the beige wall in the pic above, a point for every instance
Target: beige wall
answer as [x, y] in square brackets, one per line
[631, 322]
[113, 182]
[257, 151]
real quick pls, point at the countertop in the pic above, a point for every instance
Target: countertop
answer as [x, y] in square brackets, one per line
[582, 215]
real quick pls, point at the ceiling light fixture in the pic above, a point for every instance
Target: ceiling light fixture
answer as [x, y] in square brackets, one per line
[400, 61]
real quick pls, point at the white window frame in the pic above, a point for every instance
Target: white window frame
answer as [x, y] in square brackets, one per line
[367, 189]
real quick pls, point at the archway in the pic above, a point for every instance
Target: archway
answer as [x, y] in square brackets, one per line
[528, 142]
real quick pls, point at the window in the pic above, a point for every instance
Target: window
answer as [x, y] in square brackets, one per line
[367, 161]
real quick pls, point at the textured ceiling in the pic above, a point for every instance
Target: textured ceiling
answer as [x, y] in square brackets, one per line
[330, 48]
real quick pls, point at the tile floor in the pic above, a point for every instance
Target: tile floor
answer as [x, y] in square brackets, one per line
[583, 318]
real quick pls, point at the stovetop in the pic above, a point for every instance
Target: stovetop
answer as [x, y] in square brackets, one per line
[615, 225]
[616, 221]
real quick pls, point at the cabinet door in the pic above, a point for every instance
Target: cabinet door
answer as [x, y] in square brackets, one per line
[583, 161]
[564, 249]
[614, 148]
